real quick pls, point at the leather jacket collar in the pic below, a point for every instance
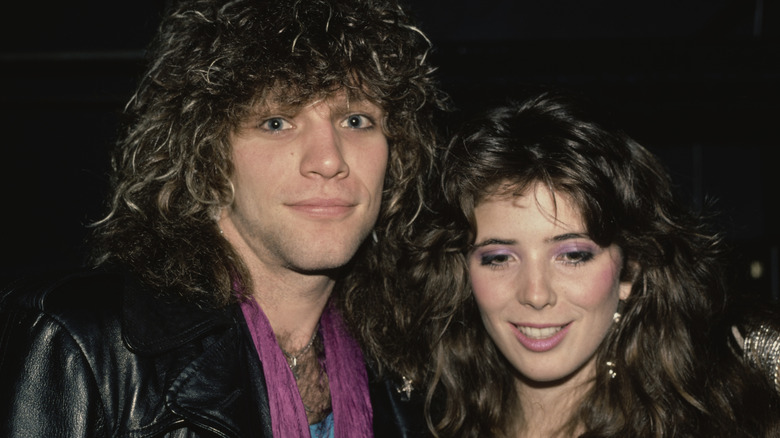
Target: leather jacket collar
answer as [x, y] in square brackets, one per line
[215, 389]
[154, 324]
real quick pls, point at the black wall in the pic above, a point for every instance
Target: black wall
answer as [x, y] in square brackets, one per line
[698, 82]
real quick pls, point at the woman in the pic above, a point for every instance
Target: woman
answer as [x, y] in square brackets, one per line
[603, 300]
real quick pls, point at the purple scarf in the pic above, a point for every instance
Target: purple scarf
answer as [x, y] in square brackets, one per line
[352, 414]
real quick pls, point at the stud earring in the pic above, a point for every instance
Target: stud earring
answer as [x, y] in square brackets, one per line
[616, 317]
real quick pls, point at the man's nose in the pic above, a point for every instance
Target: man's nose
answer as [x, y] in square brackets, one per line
[322, 151]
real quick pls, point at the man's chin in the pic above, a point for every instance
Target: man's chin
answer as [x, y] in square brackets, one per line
[330, 266]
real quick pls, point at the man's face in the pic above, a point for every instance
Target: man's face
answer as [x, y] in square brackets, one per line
[308, 184]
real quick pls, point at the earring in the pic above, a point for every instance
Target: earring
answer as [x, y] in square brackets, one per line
[611, 369]
[374, 236]
[616, 317]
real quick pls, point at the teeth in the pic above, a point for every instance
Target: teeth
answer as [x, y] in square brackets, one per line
[539, 333]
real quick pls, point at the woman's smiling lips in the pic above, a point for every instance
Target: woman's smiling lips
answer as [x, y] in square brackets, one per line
[324, 208]
[540, 338]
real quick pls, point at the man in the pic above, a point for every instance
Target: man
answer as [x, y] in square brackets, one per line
[265, 143]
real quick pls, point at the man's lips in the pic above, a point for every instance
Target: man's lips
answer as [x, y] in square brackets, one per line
[323, 207]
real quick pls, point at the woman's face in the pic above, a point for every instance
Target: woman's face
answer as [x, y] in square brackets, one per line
[546, 292]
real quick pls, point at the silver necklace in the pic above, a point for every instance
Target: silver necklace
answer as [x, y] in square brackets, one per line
[292, 359]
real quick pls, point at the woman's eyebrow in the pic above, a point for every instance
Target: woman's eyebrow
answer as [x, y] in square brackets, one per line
[494, 241]
[567, 236]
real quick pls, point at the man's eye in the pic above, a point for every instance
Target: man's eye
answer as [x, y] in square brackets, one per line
[357, 121]
[275, 124]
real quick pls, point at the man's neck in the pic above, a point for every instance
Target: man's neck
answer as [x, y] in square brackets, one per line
[293, 303]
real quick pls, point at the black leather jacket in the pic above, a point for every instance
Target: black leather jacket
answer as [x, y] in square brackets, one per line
[95, 354]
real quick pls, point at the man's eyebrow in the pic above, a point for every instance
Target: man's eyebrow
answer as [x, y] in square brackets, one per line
[264, 111]
[357, 105]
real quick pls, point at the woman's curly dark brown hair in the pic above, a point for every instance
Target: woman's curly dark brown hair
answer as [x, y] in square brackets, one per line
[675, 376]
[211, 62]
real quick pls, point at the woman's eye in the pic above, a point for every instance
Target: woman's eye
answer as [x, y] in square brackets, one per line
[493, 259]
[576, 257]
[357, 121]
[275, 124]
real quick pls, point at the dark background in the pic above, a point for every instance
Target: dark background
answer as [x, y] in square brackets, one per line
[696, 81]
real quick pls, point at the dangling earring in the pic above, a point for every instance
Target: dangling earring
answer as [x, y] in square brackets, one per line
[611, 369]
[616, 319]
[374, 236]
